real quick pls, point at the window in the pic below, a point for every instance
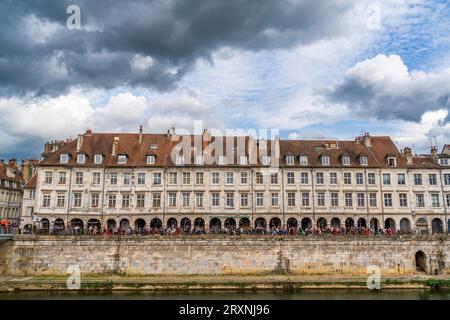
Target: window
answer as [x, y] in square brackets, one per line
[215, 177]
[126, 179]
[229, 177]
[32, 194]
[96, 178]
[243, 160]
[172, 178]
[274, 178]
[348, 199]
[303, 160]
[388, 199]
[64, 158]
[199, 199]
[420, 200]
[199, 178]
[151, 159]
[156, 198]
[95, 200]
[122, 159]
[153, 146]
[386, 179]
[433, 179]
[291, 199]
[48, 177]
[304, 178]
[346, 160]
[186, 196]
[113, 178]
[81, 158]
[61, 202]
[321, 199]
[359, 178]
[62, 178]
[333, 178]
[140, 200]
[78, 177]
[435, 200]
[290, 178]
[401, 179]
[319, 178]
[447, 197]
[347, 178]
[230, 200]
[112, 200]
[259, 178]
[98, 158]
[391, 162]
[363, 160]
[222, 160]
[141, 178]
[334, 199]
[172, 199]
[259, 199]
[444, 161]
[186, 178]
[125, 200]
[265, 160]
[46, 200]
[179, 160]
[244, 200]
[77, 200]
[244, 177]
[371, 178]
[403, 199]
[373, 199]
[199, 160]
[290, 160]
[325, 160]
[215, 199]
[361, 199]
[417, 179]
[447, 179]
[156, 178]
[274, 199]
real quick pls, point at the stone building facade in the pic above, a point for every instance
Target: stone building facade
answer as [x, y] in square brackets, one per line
[11, 191]
[165, 179]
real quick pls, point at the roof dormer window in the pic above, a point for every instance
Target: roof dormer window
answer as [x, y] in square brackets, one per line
[303, 160]
[346, 160]
[392, 162]
[179, 160]
[81, 158]
[199, 160]
[363, 160]
[444, 161]
[290, 160]
[243, 160]
[98, 158]
[265, 160]
[64, 158]
[222, 160]
[153, 146]
[325, 160]
[151, 159]
[122, 159]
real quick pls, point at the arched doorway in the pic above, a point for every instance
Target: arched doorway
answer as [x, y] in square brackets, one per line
[58, 226]
[421, 261]
[405, 225]
[244, 223]
[306, 223]
[230, 223]
[111, 224]
[292, 223]
[322, 223]
[335, 222]
[349, 223]
[185, 224]
[199, 222]
[172, 223]
[215, 225]
[139, 225]
[93, 226]
[275, 223]
[44, 226]
[374, 225]
[77, 226]
[260, 223]
[389, 223]
[124, 224]
[155, 223]
[436, 226]
[362, 223]
[422, 226]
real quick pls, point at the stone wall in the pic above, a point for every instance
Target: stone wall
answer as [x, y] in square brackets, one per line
[26, 255]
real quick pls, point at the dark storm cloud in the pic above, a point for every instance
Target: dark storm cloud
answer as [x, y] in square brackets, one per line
[173, 33]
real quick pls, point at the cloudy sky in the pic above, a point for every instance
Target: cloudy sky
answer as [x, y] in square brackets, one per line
[312, 69]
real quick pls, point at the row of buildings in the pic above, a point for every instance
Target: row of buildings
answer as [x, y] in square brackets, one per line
[204, 181]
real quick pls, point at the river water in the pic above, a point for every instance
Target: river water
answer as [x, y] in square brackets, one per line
[309, 294]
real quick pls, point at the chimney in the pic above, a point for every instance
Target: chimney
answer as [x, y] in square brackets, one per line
[140, 134]
[12, 163]
[366, 140]
[79, 142]
[407, 154]
[115, 146]
[88, 132]
[433, 152]
[47, 147]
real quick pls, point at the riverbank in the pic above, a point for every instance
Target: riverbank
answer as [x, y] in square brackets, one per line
[223, 282]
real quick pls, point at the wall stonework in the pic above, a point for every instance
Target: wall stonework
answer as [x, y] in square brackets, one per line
[28, 255]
